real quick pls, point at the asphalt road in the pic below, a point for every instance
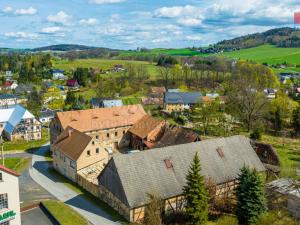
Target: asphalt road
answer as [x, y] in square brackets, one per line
[40, 174]
[35, 216]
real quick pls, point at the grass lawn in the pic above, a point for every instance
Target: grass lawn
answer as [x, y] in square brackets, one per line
[289, 153]
[86, 195]
[64, 214]
[270, 218]
[27, 146]
[131, 100]
[267, 53]
[17, 164]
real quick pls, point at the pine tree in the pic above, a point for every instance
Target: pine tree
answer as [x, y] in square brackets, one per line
[250, 197]
[196, 194]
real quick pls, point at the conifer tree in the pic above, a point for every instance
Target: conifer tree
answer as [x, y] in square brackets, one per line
[250, 197]
[153, 210]
[196, 194]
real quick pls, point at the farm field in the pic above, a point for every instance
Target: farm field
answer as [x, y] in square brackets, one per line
[267, 54]
[162, 51]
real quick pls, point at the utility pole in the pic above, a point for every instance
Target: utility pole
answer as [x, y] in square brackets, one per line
[2, 153]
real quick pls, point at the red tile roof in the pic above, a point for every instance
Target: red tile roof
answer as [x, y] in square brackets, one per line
[5, 169]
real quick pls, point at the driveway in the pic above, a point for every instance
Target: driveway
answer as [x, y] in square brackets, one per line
[40, 174]
[35, 216]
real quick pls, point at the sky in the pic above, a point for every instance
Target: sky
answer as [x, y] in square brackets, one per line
[128, 24]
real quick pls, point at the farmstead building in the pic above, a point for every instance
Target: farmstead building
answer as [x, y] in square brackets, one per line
[127, 179]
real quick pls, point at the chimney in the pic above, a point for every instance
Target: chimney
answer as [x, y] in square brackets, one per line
[70, 132]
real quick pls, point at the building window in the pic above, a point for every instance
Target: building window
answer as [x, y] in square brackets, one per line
[116, 134]
[107, 135]
[93, 142]
[5, 223]
[97, 150]
[88, 153]
[1, 125]
[72, 164]
[3, 201]
[124, 131]
[1, 177]
[97, 137]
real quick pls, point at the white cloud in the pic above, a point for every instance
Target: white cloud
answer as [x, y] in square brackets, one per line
[89, 22]
[193, 38]
[7, 9]
[60, 18]
[161, 40]
[51, 30]
[21, 35]
[176, 11]
[23, 12]
[105, 1]
[189, 22]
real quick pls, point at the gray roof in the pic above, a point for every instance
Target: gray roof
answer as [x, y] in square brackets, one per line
[103, 103]
[6, 96]
[130, 177]
[182, 97]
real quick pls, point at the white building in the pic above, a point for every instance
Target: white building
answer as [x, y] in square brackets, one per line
[9, 197]
[58, 75]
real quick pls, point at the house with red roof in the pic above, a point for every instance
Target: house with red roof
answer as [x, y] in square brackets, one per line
[73, 83]
[9, 197]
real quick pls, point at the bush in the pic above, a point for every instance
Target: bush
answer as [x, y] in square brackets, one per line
[256, 134]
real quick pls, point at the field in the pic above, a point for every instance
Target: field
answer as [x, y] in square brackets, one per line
[267, 54]
[161, 51]
[104, 64]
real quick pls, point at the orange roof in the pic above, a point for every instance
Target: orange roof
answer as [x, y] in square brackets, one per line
[5, 169]
[159, 90]
[102, 118]
[206, 99]
[72, 143]
[145, 125]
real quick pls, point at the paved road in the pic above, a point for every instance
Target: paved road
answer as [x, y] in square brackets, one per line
[35, 216]
[18, 155]
[39, 172]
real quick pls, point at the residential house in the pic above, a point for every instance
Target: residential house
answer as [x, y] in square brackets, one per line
[127, 179]
[157, 92]
[118, 68]
[72, 83]
[146, 132]
[58, 74]
[7, 100]
[212, 95]
[102, 103]
[173, 90]
[181, 101]
[46, 115]
[18, 123]
[74, 151]
[8, 75]
[155, 96]
[107, 126]
[9, 85]
[9, 197]
[270, 93]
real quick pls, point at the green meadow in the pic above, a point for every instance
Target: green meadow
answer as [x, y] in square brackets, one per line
[267, 54]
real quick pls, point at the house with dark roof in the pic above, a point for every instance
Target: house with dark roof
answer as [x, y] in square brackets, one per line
[105, 103]
[58, 74]
[7, 100]
[74, 151]
[46, 115]
[18, 123]
[146, 132]
[174, 135]
[127, 179]
[180, 101]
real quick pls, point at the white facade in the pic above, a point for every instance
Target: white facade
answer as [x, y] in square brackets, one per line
[9, 198]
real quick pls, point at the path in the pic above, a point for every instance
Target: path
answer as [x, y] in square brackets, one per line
[40, 173]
